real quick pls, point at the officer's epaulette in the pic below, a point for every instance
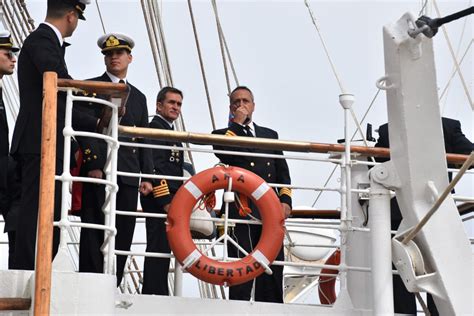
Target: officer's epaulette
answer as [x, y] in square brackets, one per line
[230, 133]
[285, 191]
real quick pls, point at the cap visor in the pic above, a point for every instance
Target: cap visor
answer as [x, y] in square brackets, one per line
[82, 17]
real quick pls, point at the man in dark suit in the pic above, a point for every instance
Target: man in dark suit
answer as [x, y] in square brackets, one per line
[7, 66]
[43, 50]
[268, 288]
[454, 142]
[165, 162]
[117, 50]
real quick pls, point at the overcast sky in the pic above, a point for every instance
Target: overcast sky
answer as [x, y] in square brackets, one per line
[277, 53]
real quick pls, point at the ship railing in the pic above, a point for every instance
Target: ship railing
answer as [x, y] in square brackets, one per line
[51, 86]
[341, 155]
[207, 139]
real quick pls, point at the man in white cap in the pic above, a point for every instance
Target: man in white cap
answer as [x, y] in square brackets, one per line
[117, 50]
[42, 51]
[7, 66]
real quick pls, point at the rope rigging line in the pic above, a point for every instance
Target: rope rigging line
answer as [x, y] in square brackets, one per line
[341, 87]
[453, 56]
[100, 16]
[30, 23]
[352, 138]
[221, 44]
[448, 84]
[166, 60]
[153, 44]
[203, 73]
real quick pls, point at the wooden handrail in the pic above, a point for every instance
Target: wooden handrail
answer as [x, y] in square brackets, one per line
[119, 90]
[255, 142]
[46, 199]
[15, 304]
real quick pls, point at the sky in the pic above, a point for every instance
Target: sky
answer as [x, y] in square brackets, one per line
[277, 53]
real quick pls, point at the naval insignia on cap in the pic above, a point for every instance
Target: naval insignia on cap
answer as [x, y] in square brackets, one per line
[112, 41]
[6, 41]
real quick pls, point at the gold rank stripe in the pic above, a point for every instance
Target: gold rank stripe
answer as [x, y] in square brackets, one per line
[161, 190]
[160, 193]
[285, 191]
[230, 133]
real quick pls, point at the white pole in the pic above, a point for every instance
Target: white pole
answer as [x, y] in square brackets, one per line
[178, 279]
[379, 222]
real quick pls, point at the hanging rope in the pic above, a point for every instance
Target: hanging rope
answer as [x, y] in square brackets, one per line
[166, 60]
[198, 46]
[153, 44]
[100, 16]
[221, 44]
[453, 56]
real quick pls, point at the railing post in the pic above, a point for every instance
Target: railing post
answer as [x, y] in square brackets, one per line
[46, 198]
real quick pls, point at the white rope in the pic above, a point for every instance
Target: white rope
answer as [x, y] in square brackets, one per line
[100, 16]
[203, 73]
[453, 56]
[448, 84]
[221, 44]
[341, 87]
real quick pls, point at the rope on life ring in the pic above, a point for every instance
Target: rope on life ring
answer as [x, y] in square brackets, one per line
[327, 284]
[214, 271]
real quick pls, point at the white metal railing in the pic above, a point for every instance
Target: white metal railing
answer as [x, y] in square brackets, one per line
[344, 226]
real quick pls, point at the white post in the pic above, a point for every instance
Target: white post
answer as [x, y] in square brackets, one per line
[178, 279]
[379, 223]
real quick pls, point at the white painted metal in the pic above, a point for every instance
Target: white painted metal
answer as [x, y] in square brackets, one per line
[358, 244]
[412, 100]
[381, 254]
[178, 279]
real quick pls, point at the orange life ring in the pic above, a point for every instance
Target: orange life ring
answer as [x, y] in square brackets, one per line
[210, 270]
[327, 284]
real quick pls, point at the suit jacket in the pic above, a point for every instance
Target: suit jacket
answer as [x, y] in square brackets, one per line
[166, 162]
[130, 159]
[4, 147]
[455, 142]
[270, 169]
[41, 52]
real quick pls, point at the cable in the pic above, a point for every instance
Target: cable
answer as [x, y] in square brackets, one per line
[203, 73]
[100, 16]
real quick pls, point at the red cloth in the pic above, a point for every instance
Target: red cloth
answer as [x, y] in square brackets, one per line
[76, 201]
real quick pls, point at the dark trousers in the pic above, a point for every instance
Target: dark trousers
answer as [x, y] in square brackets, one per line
[93, 196]
[28, 213]
[11, 248]
[268, 288]
[155, 270]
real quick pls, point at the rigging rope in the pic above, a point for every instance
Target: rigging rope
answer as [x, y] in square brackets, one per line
[198, 46]
[100, 16]
[352, 138]
[221, 44]
[453, 56]
[454, 71]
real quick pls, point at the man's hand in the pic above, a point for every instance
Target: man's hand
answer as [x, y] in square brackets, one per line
[96, 173]
[166, 208]
[286, 210]
[241, 114]
[145, 188]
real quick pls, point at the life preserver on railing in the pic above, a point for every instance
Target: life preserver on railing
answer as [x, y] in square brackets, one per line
[197, 263]
[327, 284]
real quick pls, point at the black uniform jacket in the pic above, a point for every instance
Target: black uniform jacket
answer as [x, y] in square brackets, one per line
[455, 142]
[4, 147]
[166, 162]
[270, 169]
[130, 159]
[41, 52]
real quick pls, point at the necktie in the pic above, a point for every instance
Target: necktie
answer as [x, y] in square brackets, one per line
[121, 81]
[248, 131]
